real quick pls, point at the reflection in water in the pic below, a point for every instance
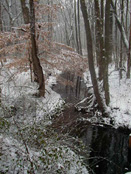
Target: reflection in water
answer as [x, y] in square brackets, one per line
[107, 147]
[71, 87]
[108, 150]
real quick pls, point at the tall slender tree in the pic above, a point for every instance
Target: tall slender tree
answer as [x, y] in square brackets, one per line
[121, 43]
[99, 97]
[79, 27]
[36, 62]
[129, 52]
[107, 51]
[1, 28]
[99, 37]
[76, 27]
[50, 28]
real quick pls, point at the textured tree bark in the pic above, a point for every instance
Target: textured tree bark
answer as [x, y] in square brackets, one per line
[98, 96]
[25, 12]
[36, 62]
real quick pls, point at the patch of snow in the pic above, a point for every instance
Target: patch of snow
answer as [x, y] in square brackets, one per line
[120, 91]
[48, 105]
[51, 81]
[120, 101]
[18, 90]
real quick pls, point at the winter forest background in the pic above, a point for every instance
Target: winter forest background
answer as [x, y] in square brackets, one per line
[57, 56]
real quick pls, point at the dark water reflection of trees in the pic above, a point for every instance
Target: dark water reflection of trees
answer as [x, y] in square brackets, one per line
[107, 147]
[108, 150]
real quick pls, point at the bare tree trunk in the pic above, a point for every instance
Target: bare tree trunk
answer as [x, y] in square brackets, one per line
[78, 40]
[115, 41]
[79, 33]
[121, 44]
[25, 11]
[97, 32]
[120, 26]
[123, 36]
[99, 38]
[50, 28]
[111, 36]
[1, 28]
[99, 98]
[107, 51]
[67, 35]
[76, 28]
[0, 96]
[127, 8]
[129, 52]
[36, 62]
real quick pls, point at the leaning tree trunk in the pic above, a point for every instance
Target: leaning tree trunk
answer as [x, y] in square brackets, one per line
[36, 62]
[120, 27]
[98, 96]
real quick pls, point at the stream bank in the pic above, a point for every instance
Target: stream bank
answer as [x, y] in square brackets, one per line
[107, 147]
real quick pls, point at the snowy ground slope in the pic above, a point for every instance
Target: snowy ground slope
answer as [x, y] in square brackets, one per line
[120, 91]
[25, 113]
[18, 90]
[120, 99]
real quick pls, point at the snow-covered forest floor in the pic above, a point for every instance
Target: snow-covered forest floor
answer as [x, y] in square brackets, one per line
[120, 91]
[120, 101]
[27, 144]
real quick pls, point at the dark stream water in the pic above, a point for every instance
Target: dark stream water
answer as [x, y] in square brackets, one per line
[108, 150]
[107, 147]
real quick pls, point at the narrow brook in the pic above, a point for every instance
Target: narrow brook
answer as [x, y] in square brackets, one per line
[107, 148]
